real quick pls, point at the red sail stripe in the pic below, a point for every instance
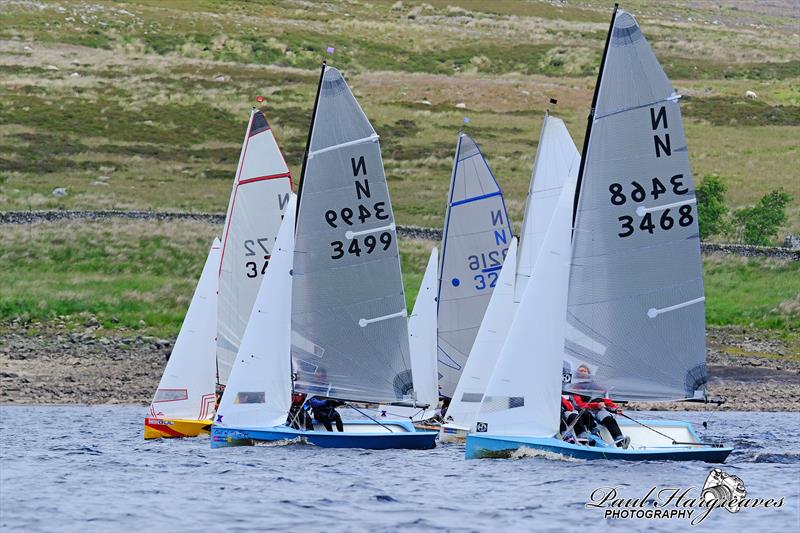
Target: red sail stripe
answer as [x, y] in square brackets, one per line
[262, 178]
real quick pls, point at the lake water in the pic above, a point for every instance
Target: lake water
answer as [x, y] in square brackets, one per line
[79, 468]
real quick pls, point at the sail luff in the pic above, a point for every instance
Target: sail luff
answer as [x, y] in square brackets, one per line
[422, 332]
[557, 160]
[450, 193]
[488, 344]
[590, 118]
[308, 139]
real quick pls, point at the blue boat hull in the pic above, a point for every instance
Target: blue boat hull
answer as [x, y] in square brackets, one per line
[504, 446]
[373, 437]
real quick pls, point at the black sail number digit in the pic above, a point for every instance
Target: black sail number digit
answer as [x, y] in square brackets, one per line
[666, 221]
[370, 242]
[386, 240]
[677, 184]
[617, 198]
[380, 211]
[627, 224]
[686, 218]
[638, 194]
[338, 249]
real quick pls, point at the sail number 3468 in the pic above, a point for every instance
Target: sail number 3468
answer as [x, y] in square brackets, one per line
[637, 193]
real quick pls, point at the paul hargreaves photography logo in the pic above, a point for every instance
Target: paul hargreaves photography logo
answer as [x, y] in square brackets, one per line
[720, 491]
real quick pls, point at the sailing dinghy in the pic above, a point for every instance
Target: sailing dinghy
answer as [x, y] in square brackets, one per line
[260, 193]
[184, 401]
[557, 160]
[337, 269]
[474, 243]
[625, 299]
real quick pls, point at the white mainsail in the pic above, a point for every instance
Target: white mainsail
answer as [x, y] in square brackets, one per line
[636, 285]
[492, 335]
[474, 244]
[523, 393]
[348, 306]
[259, 388]
[186, 389]
[557, 160]
[422, 341]
[260, 193]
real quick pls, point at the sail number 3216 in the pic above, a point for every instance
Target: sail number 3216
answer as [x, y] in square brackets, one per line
[650, 221]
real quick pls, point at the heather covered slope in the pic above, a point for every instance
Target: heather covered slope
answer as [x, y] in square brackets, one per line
[142, 104]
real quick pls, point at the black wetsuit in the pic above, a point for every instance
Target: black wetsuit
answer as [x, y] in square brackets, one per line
[325, 413]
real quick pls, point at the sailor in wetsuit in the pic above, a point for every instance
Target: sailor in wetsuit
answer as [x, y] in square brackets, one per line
[574, 423]
[325, 412]
[601, 409]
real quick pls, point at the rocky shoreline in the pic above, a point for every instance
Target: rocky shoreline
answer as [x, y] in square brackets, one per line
[45, 365]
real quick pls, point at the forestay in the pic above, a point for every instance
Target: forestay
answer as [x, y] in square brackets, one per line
[489, 342]
[557, 160]
[260, 193]
[260, 384]
[523, 394]
[348, 304]
[475, 241]
[636, 288]
[186, 389]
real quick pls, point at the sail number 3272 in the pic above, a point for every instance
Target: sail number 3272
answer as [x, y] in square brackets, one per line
[664, 219]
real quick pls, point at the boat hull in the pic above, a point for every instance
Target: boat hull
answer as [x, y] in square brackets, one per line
[366, 435]
[450, 434]
[643, 446]
[164, 428]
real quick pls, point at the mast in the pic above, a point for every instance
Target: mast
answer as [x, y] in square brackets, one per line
[590, 119]
[308, 141]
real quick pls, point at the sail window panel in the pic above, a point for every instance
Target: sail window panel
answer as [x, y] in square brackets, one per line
[171, 395]
[502, 403]
[472, 397]
[250, 397]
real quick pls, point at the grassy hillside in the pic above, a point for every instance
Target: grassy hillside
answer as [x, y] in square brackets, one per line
[139, 276]
[143, 104]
